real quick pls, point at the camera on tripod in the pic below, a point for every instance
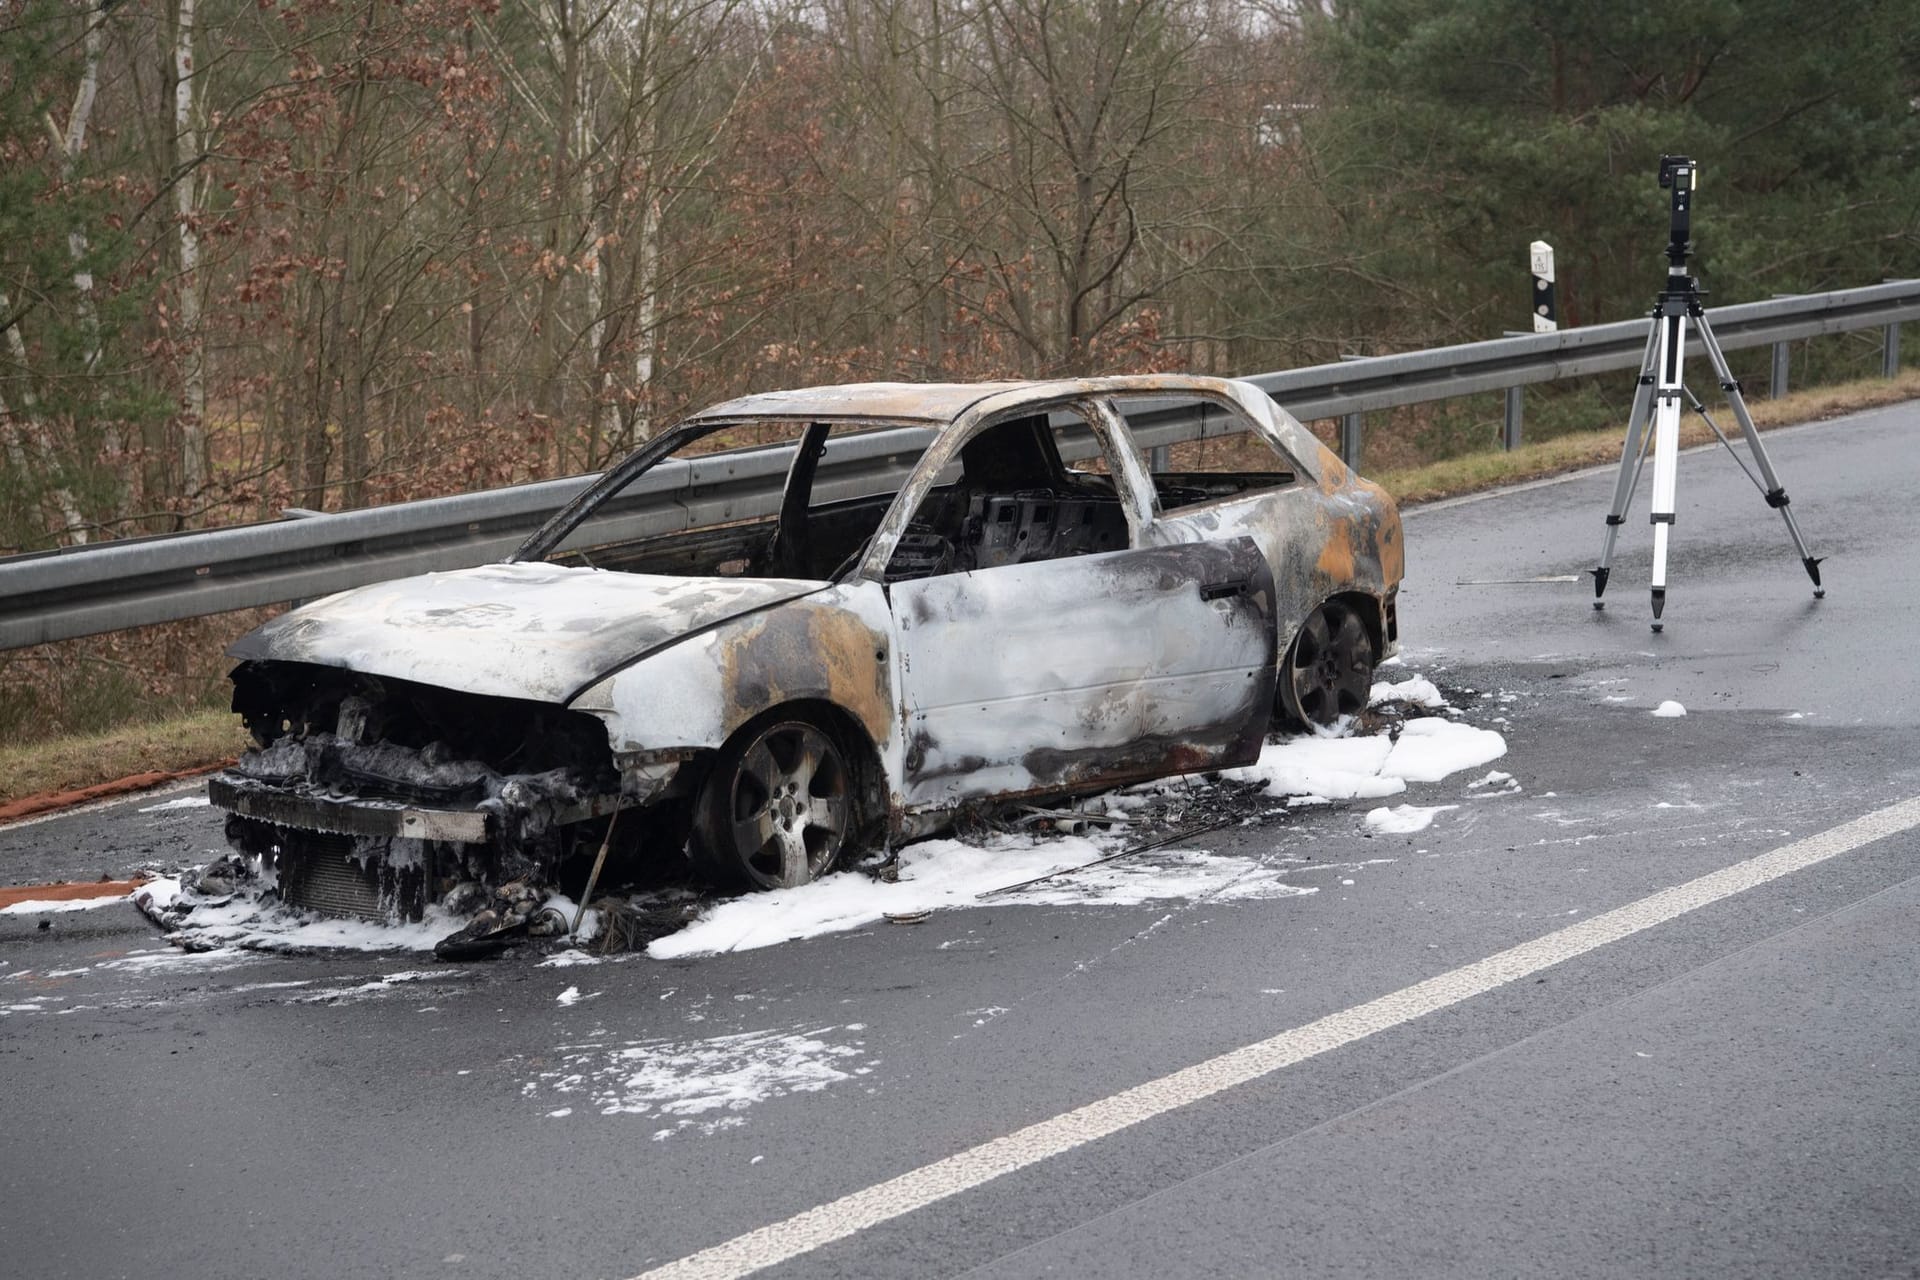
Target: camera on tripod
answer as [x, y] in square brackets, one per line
[1678, 174]
[1658, 398]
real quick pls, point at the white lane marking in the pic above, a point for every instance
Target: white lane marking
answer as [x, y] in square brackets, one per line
[837, 1220]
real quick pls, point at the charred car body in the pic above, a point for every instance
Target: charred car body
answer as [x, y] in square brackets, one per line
[1015, 604]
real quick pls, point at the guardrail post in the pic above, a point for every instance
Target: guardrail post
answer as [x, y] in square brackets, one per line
[1777, 386]
[1516, 407]
[1350, 428]
[1890, 351]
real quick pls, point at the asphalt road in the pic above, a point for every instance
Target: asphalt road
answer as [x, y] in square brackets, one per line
[1731, 1090]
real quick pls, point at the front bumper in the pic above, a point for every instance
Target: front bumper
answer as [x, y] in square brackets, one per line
[251, 798]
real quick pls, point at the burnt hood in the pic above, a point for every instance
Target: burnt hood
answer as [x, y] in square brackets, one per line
[535, 631]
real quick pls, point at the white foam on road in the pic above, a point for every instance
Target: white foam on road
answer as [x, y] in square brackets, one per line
[1404, 819]
[375, 988]
[184, 802]
[570, 958]
[1427, 750]
[704, 1085]
[1419, 691]
[47, 906]
[163, 958]
[939, 875]
[930, 1184]
[1323, 768]
[251, 921]
[246, 921]
[1669, 709]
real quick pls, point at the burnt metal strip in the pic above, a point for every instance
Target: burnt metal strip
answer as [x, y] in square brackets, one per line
[345, 817]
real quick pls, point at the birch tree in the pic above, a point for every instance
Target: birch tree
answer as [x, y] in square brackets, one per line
[186, 182]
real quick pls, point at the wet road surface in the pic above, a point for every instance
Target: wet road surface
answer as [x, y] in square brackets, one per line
[1733, 1091]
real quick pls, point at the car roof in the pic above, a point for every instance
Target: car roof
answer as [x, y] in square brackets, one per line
[934, 402]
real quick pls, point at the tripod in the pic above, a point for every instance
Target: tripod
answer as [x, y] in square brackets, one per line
[1657, 399]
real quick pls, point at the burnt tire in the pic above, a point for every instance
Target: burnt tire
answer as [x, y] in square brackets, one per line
[777, 808]
[1328, 670]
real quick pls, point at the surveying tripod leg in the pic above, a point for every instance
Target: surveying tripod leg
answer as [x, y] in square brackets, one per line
[1667, 393]
[1776, 494]
[1632, 455]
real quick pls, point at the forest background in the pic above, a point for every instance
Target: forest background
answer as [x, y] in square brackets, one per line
[269, 254]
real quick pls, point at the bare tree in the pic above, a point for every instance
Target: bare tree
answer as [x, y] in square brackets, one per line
[1083, 93]
[192, 342]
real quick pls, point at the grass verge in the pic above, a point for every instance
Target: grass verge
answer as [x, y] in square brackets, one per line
[201, 738]
[162, 746]
[1477, 471]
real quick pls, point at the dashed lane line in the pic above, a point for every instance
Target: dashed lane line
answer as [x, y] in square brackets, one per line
[851, 1214]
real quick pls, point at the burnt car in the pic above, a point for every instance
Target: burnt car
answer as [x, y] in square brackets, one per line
[805, 622]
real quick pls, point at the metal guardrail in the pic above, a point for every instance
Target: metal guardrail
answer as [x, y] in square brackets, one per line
[79, 591]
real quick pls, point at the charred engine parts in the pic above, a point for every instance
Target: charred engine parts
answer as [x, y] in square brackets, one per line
[370, 798]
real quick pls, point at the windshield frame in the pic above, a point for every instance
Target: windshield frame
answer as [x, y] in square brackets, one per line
[562, 524]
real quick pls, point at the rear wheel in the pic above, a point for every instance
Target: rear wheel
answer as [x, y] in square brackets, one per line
[1328, 670]
[777, 809]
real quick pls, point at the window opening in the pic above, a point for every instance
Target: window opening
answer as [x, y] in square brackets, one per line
[785, 509]
[1230, 457]
[1027, 490]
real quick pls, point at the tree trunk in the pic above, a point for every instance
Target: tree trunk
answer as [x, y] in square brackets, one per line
[34, 439]
[554, 265]
[71, 143]
[192, 345]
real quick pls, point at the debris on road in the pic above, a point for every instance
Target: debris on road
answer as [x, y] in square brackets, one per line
[1113, 848]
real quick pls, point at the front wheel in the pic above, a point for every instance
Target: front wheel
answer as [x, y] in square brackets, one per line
[777, 808]
[1328, 670]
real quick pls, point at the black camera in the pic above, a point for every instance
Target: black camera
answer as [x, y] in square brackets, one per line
[1679, 174]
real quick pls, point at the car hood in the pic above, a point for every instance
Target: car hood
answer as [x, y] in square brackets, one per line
[535, 631]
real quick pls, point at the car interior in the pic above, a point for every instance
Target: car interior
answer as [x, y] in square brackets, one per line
[1014, 501]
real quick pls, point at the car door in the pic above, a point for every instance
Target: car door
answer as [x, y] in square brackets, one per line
[1084, 670]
